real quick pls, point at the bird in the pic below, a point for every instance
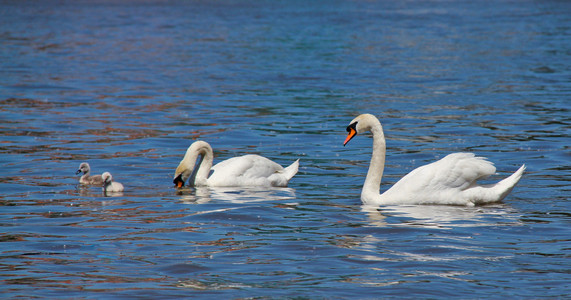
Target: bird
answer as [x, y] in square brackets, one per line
[86, 178]
[448, 181]
[247, 170]
[110, 186]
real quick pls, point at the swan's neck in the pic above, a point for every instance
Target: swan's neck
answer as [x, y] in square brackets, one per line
[204, 165]
[372, 183]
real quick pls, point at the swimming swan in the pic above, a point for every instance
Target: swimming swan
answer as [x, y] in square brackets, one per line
[86, 178]
[110, 186]
[247, 170]
[451, 180]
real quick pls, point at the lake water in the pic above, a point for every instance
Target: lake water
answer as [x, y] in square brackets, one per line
[128, 85]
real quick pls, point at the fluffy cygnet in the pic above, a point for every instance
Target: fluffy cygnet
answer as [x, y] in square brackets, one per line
[109, 186]
[86, 178]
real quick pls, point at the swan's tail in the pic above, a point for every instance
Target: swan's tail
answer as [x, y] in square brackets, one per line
[505, 186]
[291, 170]
[490, 193]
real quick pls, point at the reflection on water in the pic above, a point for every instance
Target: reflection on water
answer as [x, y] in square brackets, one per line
[112, 194]
[442, 217]
[237, 195]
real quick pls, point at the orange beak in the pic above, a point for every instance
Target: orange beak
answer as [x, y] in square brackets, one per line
[352, 134]
[178, 183]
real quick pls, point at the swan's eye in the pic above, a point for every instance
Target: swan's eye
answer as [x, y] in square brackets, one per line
[352, 126]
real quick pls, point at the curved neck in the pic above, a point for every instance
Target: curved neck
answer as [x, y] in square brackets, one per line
[200, 175]
[373, 180]
[199, 152]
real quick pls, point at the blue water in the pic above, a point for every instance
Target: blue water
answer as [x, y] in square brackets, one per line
[128, 85]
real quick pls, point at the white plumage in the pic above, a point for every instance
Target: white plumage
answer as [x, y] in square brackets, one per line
[110, 186]
[450, 180]
[247, 170]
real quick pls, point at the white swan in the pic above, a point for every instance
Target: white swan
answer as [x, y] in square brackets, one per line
[247, 170]
[86, 178]
[451, 180]
[110, 186]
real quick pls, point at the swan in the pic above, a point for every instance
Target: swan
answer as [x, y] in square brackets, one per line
[110, 186]
[450, 180]
[247, 170]
[86, 178]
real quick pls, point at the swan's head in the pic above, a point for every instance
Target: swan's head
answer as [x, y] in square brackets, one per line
[179, 178]
[362, 123]
[107, 178]
[83, 167]
[186, 167]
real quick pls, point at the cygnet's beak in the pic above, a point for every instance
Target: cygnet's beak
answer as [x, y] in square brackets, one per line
[78, 171]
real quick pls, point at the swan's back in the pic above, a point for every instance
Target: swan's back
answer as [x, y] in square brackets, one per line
[441, 182]
[248, 170]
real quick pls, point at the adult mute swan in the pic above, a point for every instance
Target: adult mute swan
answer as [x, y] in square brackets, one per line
[451, 180]
[247, 170]
[110, 186]
[86, 178]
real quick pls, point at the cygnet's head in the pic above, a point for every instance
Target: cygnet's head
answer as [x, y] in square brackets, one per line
[107, 178]
[83, 167]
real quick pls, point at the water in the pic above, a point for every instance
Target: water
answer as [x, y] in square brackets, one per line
[128, 86]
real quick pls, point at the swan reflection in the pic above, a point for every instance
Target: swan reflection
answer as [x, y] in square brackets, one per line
[441, 216]
[198, 195]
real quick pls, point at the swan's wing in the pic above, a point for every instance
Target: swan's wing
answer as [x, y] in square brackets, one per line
[462, 170]
[243, 170]
[455, 172]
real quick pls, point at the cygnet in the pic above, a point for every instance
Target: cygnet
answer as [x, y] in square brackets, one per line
[86, 178]
[109, 186]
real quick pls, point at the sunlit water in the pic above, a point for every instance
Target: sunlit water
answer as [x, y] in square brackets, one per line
[128, 87]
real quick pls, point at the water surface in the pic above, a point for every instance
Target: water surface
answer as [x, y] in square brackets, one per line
[128, 86]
